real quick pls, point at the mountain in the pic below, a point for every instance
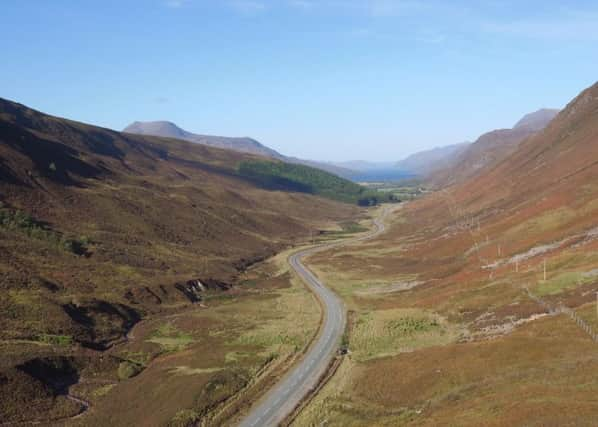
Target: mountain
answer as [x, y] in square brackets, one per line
[170, 130]
[554, 164]
[539, 199]
[243, 144]
[425, 162]
[537, 120]
[328, 167]
[490, 148]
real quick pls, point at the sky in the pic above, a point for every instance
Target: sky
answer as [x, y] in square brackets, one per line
[326, 80]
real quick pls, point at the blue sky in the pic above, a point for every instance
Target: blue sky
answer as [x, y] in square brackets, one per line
[329, 80]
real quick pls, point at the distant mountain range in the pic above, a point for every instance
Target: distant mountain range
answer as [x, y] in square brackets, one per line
[241, 144]
[454, 163]
[491, 148]
[425, 162]
[364, 165]
[441, 166]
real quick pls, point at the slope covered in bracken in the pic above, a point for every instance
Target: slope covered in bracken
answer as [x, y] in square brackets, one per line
[542, 196]
[552, 173]
[478, 306]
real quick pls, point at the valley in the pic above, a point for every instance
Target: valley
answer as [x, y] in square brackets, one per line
[127, 260]
[447, 307]
[299, 213]
[478, 305]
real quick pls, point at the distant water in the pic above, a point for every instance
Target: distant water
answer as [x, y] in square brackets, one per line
[382, 175]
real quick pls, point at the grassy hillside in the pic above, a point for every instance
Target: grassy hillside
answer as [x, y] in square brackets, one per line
[305, 179]
[101, 231]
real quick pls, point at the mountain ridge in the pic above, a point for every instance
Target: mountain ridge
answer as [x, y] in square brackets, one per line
[241, 144]
[490, 148]
[427, 161]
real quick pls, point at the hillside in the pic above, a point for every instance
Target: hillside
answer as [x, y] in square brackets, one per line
[100, 230]
[481, 297]
[491, 148]
[426, 162]
[279, 175]
[243, 145]
[537, 120]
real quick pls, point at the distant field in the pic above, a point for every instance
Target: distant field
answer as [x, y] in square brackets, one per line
[403, 190]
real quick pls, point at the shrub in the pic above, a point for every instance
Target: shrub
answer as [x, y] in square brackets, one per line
[14, 219]
[59, 340]
[127, 369]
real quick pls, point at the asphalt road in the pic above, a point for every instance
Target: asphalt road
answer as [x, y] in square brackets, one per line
[290, 391]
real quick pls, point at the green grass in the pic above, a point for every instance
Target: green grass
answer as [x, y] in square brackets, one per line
[387, 332]
[349, 227]
[170, 338]
[304, 179]
[403, 191]
[410, 326]
[58, 340]
[103, 390]
[562, 282]
[184, 418]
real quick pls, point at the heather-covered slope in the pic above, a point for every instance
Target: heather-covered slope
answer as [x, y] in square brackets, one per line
[141, 210]
[100, 229]
[490, 148]
[478, 307]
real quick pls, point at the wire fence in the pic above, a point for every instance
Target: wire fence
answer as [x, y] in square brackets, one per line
[469, 224]
[562, 309]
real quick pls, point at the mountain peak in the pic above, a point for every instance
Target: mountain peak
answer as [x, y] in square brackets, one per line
[537, 120]
[156, 128]
[168, 129]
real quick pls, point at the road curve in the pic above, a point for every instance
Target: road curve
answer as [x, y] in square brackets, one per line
[284, 397]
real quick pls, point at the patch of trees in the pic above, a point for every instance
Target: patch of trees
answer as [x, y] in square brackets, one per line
[304, 179]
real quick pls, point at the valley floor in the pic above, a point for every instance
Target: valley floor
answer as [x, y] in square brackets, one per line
[434, 340]
[203, 362]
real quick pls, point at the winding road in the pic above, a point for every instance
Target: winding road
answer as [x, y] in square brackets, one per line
[285, 396]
